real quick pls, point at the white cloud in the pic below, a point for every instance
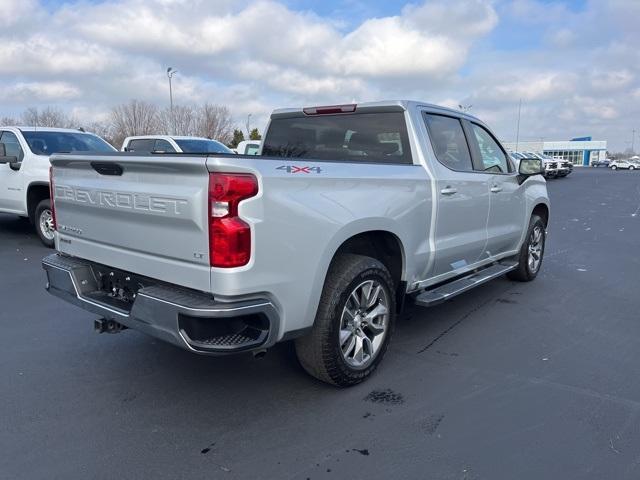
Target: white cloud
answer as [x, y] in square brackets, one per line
[575, 69]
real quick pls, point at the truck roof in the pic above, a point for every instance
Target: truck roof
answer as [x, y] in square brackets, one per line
[45, 129]
[169, 137]
[384, 105]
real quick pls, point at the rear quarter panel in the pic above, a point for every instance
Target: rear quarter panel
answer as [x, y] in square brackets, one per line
[299, 220]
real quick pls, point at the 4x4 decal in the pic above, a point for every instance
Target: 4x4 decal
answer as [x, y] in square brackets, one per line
[297, 169]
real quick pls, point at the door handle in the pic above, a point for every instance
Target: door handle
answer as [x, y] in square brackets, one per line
[496, 189]
[448, 191]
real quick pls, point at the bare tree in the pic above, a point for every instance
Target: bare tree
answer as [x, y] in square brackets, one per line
[134, 118]
[214, 121]
[184, 120]
[48, 117]
[5, 121]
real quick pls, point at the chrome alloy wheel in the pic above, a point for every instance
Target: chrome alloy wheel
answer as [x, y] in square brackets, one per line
[46, 224]
[364, 324]
[536, 246]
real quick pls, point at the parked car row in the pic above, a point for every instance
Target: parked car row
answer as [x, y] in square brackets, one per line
[553, 167]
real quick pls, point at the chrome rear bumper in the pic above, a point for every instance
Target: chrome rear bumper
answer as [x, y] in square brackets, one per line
[189, 319]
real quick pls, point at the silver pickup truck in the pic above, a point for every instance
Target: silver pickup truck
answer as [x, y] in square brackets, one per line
[349, 212]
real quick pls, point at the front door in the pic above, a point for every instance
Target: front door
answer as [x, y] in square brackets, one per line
[11, 184]
[462, 195]
[507, 207]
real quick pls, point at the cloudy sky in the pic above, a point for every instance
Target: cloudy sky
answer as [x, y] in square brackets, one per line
[575, 64]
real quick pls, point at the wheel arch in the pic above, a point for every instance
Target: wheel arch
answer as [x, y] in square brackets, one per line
[379, 240]
[36, 192]
[542, 210]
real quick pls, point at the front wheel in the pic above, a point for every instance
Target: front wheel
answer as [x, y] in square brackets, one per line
[531, 252]
[614, 167]
[354, 322]
[44, 222]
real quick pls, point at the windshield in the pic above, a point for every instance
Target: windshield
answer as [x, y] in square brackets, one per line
[47, 143]
[202, 146]
[364, 137]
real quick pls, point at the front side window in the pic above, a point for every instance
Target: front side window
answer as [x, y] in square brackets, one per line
[493, 158]
[449, 142]
[141, 145]
[12, 145]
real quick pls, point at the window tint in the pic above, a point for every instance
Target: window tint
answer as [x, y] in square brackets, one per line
[12, 145]
[201, 146]
[144, 145]
[163, 146]
[360, 137]
[449, 142]
[42, 142]
[493, 158]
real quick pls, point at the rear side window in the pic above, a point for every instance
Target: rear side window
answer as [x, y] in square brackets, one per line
[449, 142]
[163, 146]
[493, 158]
[362, 137]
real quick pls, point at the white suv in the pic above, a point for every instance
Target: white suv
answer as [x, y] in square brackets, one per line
[624, 164]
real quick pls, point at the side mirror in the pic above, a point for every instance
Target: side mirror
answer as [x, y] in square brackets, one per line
[7, 159]
[529, 167]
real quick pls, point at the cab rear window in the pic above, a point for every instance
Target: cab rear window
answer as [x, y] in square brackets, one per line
[362, 137]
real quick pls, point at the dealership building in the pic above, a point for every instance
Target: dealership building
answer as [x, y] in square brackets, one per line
[579, 151]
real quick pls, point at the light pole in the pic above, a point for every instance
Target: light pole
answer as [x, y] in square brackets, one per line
[170, 73]
[518, 127]
[248, 126]
[633, 139]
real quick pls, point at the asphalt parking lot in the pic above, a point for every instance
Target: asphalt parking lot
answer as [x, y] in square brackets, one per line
[512, 380]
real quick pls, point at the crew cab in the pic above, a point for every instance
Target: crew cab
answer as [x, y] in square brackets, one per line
[349, 212]
[172, 144]
[24, 170]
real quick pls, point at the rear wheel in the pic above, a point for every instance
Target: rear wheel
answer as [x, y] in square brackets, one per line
[353, 324]
[44, 222]
[531, 253]
[632, 167]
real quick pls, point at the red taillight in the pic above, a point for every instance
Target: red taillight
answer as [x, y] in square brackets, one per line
[329, 110]
[229, 235]
[51, 192]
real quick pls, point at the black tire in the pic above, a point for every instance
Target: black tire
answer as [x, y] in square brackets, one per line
[632, 167]
[614, 167]
[41, 210]
[524, 272]
[319, 352]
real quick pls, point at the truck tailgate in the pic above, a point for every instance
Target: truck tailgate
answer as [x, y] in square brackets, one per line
[142, 214]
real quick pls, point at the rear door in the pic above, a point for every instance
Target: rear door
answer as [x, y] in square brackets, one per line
[145, 215]
[507, 206]
[462, 195]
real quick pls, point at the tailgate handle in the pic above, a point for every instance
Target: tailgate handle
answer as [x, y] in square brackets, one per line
[107, 168]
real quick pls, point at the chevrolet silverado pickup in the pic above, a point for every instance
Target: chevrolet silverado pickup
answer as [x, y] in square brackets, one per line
[348, 212]
[24, 170]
